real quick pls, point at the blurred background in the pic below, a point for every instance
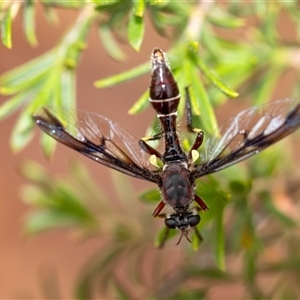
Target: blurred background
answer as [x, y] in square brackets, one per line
[36, 266]
[23, 259]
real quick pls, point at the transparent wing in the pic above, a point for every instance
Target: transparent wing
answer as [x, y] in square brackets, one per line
[246, 134]
[97, 138]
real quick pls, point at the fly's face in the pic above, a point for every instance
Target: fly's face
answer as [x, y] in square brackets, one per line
[183, 222]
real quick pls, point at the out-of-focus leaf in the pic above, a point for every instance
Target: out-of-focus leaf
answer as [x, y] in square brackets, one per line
[122, 77]
[150, 196]
[239, 186]
[222, 18]
[239, 61]
[22, 132]
[267, 85]
[125, 190]
[40, 221]
[212, 273]
[122, 233]
[140, 105]
[201, 105]
[196, 241]
[267, 163]
[215, 197]
[250, 267]
[88, 187]
[289, 4]
[220, 240]
[275, 212]
[68, 84]
[261, 8]
[65, 4]
[71, 59]
[48, 79]
[160, 237]
[139, 8]
[268, 28]
[59, 206]
[51, 16]
[292, 262]
[8, 107]
[6, 24]
[33, 195]
[158, 20]
[189, 294]
[48, 145]
[159, 2]
[49, 284]
[97, 266]
[34, 172]
[55, 218]
[112, 48]
[101, 3]
[136, 30]
[120, 290]
[296, 89]
[29, 22]
[28, 74]
[213, 77]
[37, 222]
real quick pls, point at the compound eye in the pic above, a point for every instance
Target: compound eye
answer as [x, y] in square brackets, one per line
[193, 220]
[170, 223]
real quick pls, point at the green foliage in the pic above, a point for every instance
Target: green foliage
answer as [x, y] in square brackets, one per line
[58, 204]
[247, 219]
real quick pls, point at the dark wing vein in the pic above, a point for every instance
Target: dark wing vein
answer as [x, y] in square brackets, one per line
[98, 138]
[246, 134]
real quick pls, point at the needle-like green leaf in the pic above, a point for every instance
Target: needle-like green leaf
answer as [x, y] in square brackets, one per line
[6, 29]
[28, 74]
[201, 105]
[29, 22]
[11, 105]
[214, 79]
[140, 105]
[22, 132]
[150, 196]
[220, 240]
[111, 46]
[122, 77]
[136, 30]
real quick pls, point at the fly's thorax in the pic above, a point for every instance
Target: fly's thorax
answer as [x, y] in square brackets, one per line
[177, 190]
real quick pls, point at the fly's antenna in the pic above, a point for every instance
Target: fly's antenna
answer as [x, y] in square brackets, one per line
[183, 233]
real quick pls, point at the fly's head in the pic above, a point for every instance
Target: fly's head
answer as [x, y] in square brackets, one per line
[182, 222]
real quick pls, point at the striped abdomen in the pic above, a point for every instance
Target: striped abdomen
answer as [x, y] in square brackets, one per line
[164, 97]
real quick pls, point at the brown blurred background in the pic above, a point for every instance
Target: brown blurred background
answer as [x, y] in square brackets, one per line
[22, 260]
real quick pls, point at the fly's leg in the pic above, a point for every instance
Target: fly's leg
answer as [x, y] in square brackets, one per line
[200, 134]
[147, 148]
[158, 208]
[201, 203]
[154, 137]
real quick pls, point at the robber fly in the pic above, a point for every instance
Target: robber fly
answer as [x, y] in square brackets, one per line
[108, 143]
